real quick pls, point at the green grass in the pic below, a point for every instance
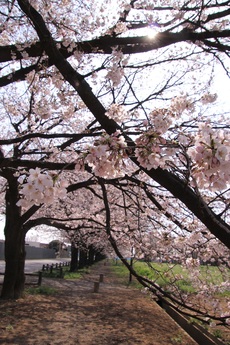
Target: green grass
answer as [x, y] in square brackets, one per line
[161, 274]
[165, 275]
[76, 275]
[41, 290]
[213, 274]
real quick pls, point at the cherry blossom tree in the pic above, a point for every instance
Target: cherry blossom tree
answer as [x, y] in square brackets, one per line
[122, 90]
[174, 239]
[132, 214]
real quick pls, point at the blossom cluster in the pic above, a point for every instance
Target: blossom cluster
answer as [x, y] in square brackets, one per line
[191, 262]
[120, 28]
[208, 98]
[115, 74]
[106, 156]
[41, 188]
[211, 157]
[115, 71]
[161, 120]
[209, 150]
[180, 104]
[150, 151]
[117, 112]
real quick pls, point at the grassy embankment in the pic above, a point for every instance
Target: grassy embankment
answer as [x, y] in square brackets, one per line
[165, 274]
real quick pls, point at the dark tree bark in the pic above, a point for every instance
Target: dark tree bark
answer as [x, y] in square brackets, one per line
[14, 279]
[83, 258]
[91, 255]
[74, 258]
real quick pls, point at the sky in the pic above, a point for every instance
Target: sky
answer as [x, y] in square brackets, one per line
[222, 86]
[44, 236]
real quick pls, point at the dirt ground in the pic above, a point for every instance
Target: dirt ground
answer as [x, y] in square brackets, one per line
[76, 315]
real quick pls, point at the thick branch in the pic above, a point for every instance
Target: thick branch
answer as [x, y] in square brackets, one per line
[106, 44]
[15, 163]
[76, 136]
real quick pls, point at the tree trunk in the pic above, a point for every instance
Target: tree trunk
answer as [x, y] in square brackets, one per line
[74, 258]
[14, 279]
[82, 258]
[91, 255]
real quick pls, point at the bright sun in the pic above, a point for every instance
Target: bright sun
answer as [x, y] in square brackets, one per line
[151, 32]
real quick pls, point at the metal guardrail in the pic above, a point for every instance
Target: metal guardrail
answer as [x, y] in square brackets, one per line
[197, 332]
[38, 274]
[47, 267]
[57, 266]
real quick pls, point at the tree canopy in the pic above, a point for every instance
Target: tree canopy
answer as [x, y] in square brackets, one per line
[111, 126]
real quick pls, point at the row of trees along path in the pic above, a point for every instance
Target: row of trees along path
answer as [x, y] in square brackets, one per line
[75, 314]
[89, 103]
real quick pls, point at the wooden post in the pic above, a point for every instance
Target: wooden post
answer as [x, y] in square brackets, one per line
[130, 274]
[39, 278]
[96, 287]
[61, 272]
[101, 278]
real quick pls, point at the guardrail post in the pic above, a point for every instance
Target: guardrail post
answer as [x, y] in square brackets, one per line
[96, 287]
[39, 278]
